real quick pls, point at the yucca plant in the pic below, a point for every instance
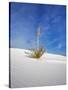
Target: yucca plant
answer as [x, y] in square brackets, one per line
[34, 53]
[38, 51]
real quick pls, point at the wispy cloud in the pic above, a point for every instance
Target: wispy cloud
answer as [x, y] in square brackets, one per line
[52, 42]
[59, 46]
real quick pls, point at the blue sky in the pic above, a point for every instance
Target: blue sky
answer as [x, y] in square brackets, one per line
[26, 18]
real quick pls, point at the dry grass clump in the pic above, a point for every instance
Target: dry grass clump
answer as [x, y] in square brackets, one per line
[34, 53]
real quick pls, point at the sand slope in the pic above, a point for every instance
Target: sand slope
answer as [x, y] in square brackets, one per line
[49, 70]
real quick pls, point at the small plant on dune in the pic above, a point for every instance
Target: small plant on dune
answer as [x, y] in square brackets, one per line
[38, 51]
[34, 53]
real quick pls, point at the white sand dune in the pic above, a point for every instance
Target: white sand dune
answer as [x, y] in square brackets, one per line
[49, 70]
